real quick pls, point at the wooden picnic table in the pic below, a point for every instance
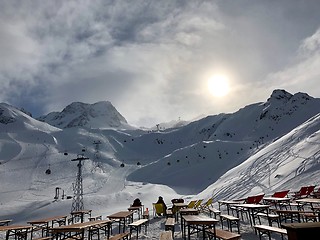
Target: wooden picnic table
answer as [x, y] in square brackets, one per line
[123, 217]
[180, 205]
[228, 203]
[5, 222]
[137, 209]
[196, 224]
[276, 201]
[79, 214]
[177, 207]
[310, 201]
[189, 211]
[76, 230]
[17, 231]
[294, 215]
[45, 223]
[253, 210]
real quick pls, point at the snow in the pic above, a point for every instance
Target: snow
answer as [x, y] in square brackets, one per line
[262, 148]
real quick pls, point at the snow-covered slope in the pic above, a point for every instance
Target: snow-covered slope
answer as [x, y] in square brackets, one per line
[98, 115]
[15, 120]
[290, 162]
[266, 146]
[223, 141]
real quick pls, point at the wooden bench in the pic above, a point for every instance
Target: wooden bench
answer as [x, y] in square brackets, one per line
[166, 235]
[309, 216]
[169, 213]
[265, 229]
[270, 217]
[5, 222]
[213, 211]
[231, 220]
[119, 236]
[293, 215]
[169, 225]
[223, 234]
[136, 225]
[43, 238]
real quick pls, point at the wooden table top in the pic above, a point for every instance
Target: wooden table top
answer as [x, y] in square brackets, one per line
[5, 221]
[308, 200]
[277, 199]
[252, 206]
[46, 220]
[188, 211]
[81, 212]
[199, 219]
[134, 208]
[227, 202]
[285, 211]
[80, 226]
[15, 227]
[180, 205]
[121, 214]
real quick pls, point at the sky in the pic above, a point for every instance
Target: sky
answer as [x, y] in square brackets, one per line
[152, 59]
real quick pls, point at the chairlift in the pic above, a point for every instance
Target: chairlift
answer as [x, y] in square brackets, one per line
[56, 197]
[48, 171]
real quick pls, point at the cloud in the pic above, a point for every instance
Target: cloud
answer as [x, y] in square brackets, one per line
[151, 59]
[303, 74]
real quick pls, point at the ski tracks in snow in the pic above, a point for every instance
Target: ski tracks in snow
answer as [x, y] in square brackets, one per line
[116, 180]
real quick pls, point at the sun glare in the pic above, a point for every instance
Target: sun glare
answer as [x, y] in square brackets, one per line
[218, 85]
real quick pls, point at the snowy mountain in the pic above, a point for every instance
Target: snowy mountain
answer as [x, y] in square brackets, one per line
[262, 147]
[98, 115]
[289, 162]
[224, 141]
[14, 119]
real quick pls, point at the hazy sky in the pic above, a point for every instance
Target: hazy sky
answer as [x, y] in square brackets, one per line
[152, 59]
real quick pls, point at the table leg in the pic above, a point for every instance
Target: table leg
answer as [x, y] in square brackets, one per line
[203, 232]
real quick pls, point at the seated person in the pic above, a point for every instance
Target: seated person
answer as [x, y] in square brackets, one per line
[160, 200]
[136, 203]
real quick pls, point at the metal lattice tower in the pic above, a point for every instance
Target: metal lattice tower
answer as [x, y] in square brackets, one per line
[77, 203]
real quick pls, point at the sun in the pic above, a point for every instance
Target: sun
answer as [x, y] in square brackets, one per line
[218, 85]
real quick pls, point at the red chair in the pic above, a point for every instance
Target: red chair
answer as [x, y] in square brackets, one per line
[310, 190]
[280, 194]
[303, 192]
[254, 199]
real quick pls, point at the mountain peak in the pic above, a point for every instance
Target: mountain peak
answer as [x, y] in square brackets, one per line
[77, 114]
[283, 96]
[280, 95]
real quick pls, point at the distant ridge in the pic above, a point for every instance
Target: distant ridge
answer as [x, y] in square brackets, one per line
[210, 142]
[98, 115]
[13, 119]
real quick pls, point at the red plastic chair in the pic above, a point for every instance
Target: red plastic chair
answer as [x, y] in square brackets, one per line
[281, 194]
[303, 192]
[310, 189]
[254, 199]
